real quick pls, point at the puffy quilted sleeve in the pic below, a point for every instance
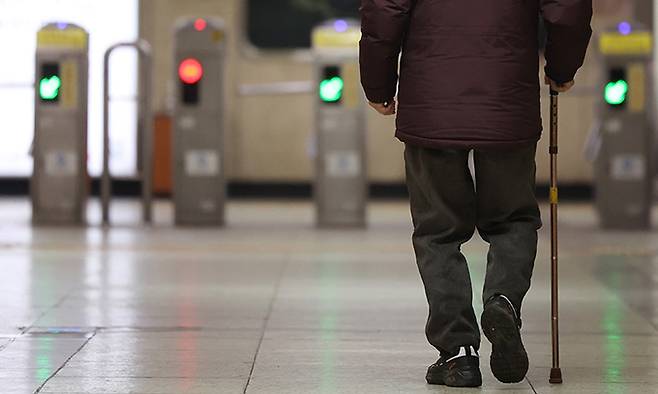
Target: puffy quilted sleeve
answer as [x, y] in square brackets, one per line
[383, 25]
[568, 28]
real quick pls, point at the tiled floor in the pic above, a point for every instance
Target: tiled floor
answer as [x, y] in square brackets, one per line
[271, 305]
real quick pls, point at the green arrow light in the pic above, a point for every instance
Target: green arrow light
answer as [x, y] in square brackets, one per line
[616, 92]
[331, 90]
[49, 87]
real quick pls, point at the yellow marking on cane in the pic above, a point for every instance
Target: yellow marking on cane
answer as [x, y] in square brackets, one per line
[554, 195]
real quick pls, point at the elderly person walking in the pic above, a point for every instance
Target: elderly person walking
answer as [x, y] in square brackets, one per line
[469, 82]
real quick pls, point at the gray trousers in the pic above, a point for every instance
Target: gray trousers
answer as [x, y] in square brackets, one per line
[447, 205]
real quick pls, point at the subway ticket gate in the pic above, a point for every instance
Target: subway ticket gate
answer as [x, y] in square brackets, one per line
[341, 189]
[623, 174]
[199, 190]
[144, 129]
[59, 184]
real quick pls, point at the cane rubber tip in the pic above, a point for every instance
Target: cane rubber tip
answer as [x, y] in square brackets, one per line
[556, 376]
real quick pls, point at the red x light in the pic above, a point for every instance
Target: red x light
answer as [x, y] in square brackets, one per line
[190, 71]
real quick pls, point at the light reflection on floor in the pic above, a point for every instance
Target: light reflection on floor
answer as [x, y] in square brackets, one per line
[273, 305]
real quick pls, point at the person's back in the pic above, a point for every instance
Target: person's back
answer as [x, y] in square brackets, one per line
[469, 68]
[469, 82]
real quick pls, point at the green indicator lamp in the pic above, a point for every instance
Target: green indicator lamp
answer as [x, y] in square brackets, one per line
[616, 92]
[49, 88]
[331, 89]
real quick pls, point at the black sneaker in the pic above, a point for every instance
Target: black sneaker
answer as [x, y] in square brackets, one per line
[502, 326]
[460, 369]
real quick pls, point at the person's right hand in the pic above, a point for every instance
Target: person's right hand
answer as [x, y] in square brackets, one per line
[560, 88]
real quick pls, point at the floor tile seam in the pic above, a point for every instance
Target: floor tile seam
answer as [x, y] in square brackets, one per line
[24, 330]
[315, 330]
[585, 333]
[137, 377]
[268, 315]
[143, 378]
[155, 330]
[78, 350]
[531, 385]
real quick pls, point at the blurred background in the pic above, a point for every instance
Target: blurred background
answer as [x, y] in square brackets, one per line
[261, 239]
[269, 115]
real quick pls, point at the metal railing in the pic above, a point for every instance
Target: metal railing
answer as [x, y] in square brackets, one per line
[144, 129]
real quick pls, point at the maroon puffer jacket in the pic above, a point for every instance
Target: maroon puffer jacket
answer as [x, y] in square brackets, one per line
[469, 74]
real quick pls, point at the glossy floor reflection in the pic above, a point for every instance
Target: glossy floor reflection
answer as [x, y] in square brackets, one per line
[272, 305]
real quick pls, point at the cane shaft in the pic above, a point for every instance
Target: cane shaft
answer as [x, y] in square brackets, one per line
[556, 376]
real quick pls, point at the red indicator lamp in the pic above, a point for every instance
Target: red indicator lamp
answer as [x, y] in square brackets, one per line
[200, 24]
[190, 71]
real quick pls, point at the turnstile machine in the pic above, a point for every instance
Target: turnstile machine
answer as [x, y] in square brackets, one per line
[59, 183]
[340, 178]
[623, 173]
[198, 127]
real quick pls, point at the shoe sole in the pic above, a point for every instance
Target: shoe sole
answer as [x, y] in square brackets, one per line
[458, 379]
[509, 359]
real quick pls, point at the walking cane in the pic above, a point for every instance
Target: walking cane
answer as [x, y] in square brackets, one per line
[556, 372]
